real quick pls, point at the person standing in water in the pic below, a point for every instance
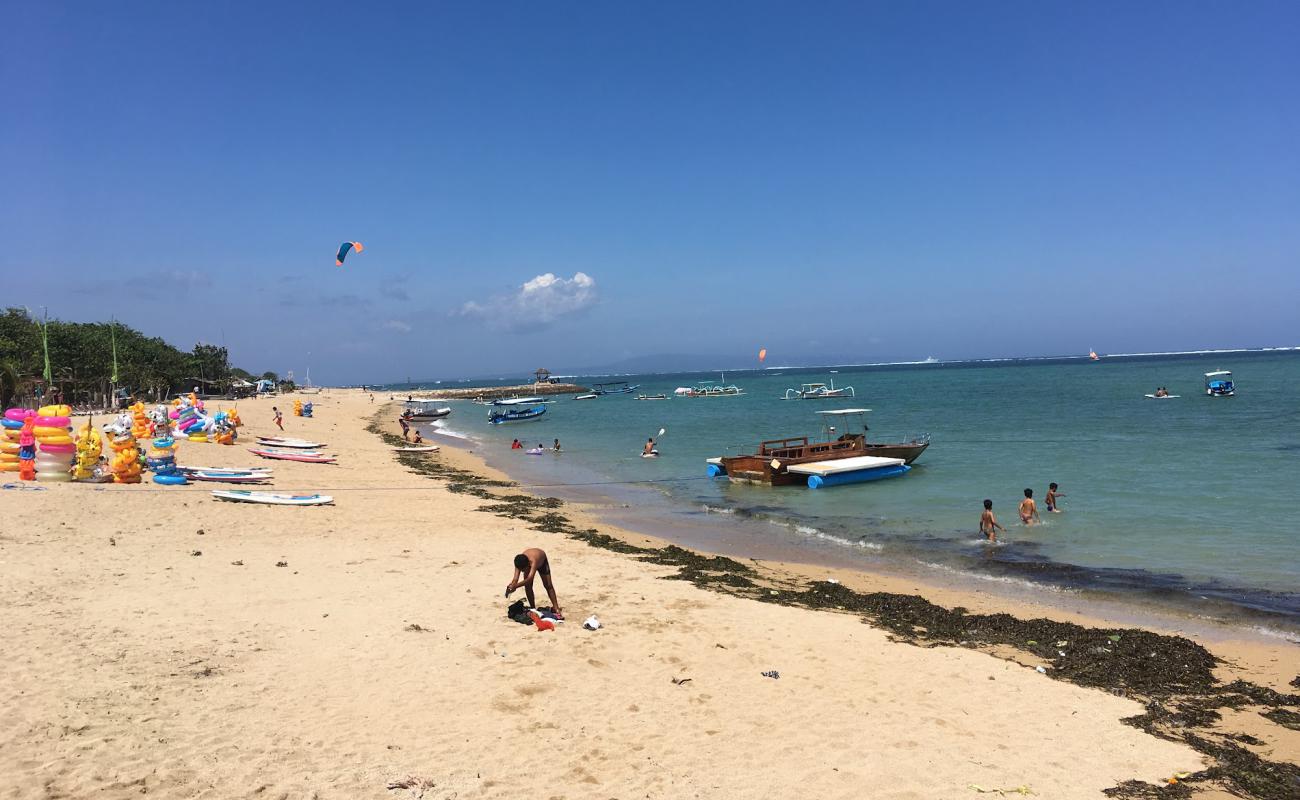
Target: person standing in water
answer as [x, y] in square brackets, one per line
[1029, 509]
[1052, 494]
[556, 446]
[989, 524]
[528, 565]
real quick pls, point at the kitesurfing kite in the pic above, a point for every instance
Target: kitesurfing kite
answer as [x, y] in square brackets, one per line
[343, 251]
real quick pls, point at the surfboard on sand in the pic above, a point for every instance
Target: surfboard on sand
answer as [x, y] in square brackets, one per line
[271, 498]
[419, 448]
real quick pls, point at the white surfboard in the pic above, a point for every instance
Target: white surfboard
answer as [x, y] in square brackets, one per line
[271, 498]
[418, 448]
[1166, 397]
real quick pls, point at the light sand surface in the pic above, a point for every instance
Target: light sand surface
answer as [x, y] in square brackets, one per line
[140, 657]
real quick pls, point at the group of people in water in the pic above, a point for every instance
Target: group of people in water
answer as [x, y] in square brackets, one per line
[518, 445]
[1161, 392]
[989, 525]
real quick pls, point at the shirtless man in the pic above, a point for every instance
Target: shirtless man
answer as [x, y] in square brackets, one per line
[649, 448]
[529, 564]
[1029, 509]
[1052, 494]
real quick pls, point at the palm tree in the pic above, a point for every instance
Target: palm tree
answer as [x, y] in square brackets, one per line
[9, 381]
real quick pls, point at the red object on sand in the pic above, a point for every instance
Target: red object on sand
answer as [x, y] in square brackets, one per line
[542, 624]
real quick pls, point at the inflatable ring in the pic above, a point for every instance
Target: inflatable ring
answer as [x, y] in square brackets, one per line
[11, 424]
[55, 411]
[47, 430]
[170, 480]
[53, 422]
[64, 439]
[10, 466]
[19, 414]
[53, 477]
[46, 447]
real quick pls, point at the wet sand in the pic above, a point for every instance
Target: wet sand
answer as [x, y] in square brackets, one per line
[158, 641]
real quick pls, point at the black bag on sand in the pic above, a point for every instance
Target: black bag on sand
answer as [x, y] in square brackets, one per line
[519, 613]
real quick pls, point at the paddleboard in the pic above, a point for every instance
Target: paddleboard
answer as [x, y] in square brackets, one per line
[229, 477]
[297, 444]
[654, 454]
[307, 457]
[425, 448]
[1166, 397]
[270, 498]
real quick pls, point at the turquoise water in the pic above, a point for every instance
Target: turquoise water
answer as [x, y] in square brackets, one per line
[1191, 496]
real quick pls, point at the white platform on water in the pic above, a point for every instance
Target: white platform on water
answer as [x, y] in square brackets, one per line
[844, 465]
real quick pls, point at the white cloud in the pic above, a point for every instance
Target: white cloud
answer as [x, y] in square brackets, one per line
[397, 325]
[537, 303]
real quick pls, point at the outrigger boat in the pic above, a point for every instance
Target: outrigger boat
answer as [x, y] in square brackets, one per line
[840, 459]
[1219, 384]
[516, 415]
[613, 387]
[819, 391]
[710, 389]
[652, 397]
[421, 410]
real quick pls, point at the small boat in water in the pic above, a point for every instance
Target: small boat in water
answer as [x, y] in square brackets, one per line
[423, 410]
[840, 459]
[613, 387]
[819, 391]
[710, 389]
[586, 397]
[652, 397]
[517, 401]
[1219, 384]
[516, 415]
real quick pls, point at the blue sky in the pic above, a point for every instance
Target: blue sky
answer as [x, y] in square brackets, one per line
[836, 182]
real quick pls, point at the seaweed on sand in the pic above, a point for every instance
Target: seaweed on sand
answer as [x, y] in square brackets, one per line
[1172, 676]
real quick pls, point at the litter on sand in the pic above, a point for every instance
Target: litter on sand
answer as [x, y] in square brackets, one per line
[771, 673]
[1023, 790]
[591, 623]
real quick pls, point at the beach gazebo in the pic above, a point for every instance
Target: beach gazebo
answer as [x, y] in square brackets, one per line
[542, 376]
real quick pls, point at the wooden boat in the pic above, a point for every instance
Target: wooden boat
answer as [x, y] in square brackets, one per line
[819, 391]
[774, 459]
[516, 415]
[613, 387]
[586, 397]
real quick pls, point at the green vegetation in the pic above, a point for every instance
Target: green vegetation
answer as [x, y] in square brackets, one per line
[81, 362]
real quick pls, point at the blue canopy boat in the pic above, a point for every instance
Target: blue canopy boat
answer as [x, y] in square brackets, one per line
[516, 415]
[1219, 384]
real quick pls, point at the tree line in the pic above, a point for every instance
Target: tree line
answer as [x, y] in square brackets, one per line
[81, 363]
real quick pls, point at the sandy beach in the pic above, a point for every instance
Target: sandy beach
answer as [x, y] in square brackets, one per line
[160, 642]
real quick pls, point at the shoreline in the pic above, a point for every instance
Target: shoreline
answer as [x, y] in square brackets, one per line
[1226, 622]
[1225, 669]
[167, 643]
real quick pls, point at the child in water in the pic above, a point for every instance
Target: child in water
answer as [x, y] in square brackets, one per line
[1052, 494]
[1029, 509]
[989, 524]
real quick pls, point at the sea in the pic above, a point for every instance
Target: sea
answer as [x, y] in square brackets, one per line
[1189, 502]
